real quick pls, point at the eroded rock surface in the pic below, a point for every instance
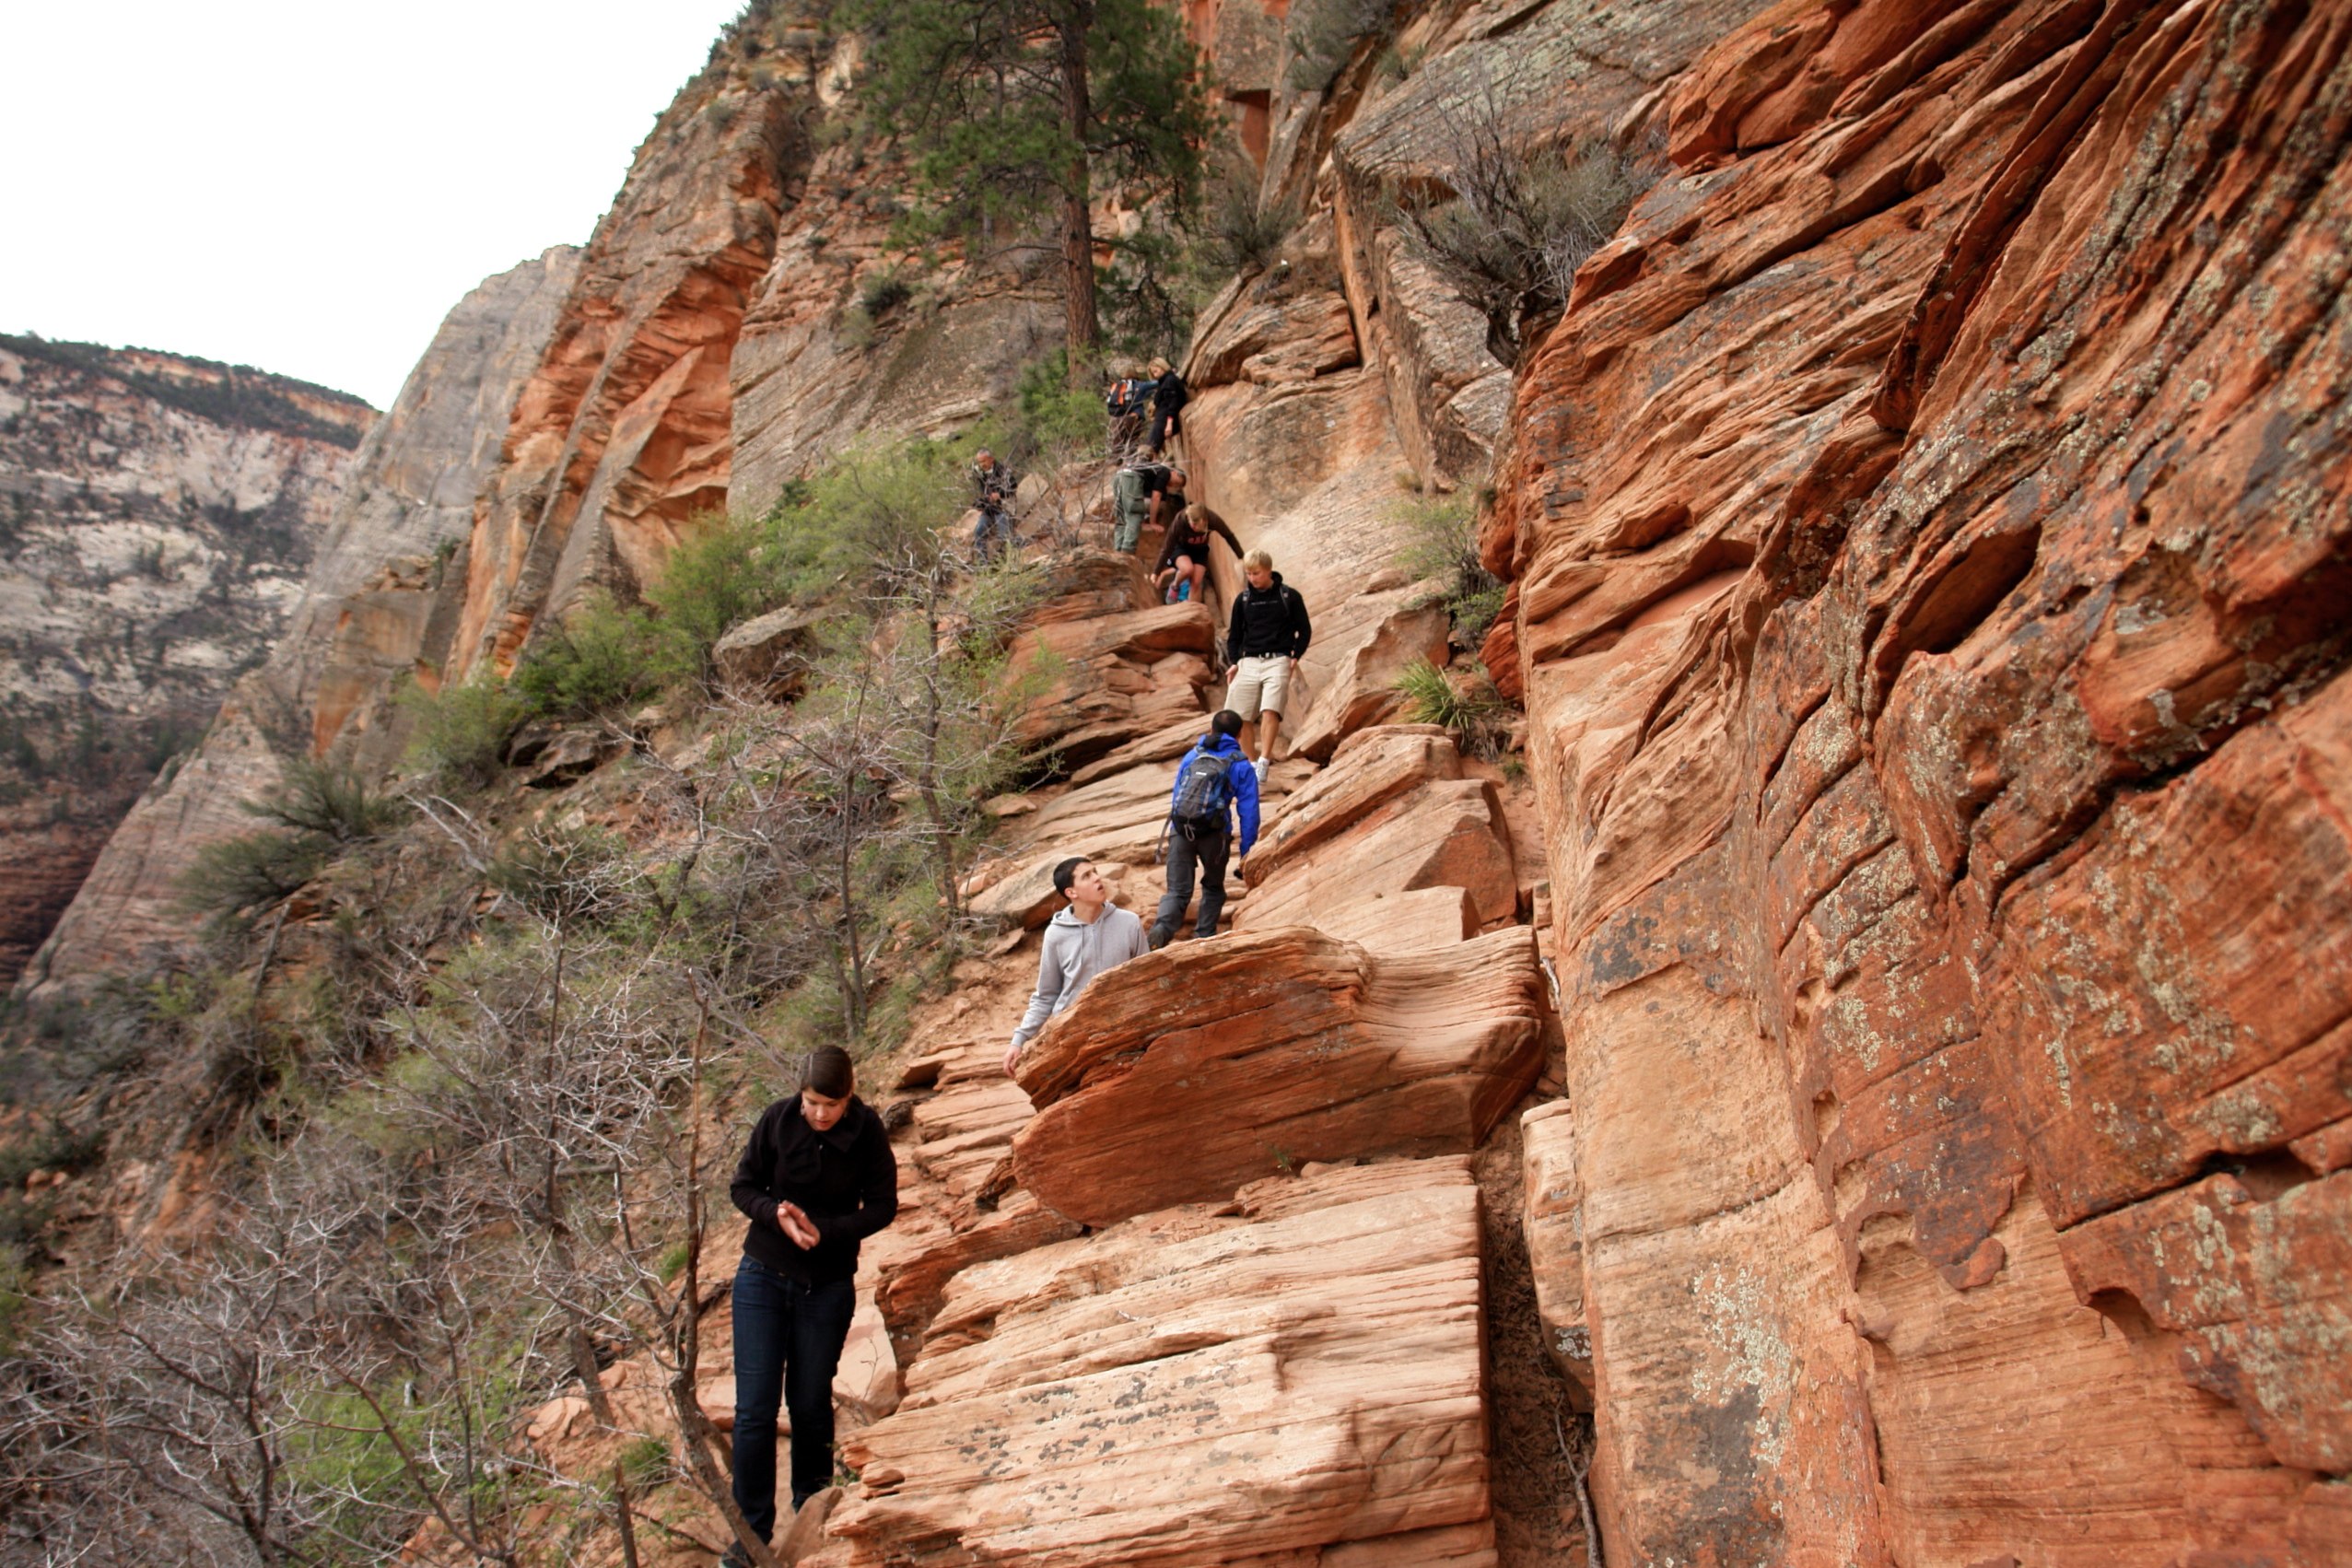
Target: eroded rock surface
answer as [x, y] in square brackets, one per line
[1276, 1381]
[1252, 1053]
[1929, 551]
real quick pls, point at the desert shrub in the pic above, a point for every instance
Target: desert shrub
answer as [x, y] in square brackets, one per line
[1471, 707]
[460, 733]
[1324, 35]
[875, 503]
[236, 877]
[857, 329]
[727, 570]
[52, 1146]
[1239, 231]
[1510, 237]
[602, 659]
[883, 292]
[1442, 531]
[1056, 420]
[328, 803]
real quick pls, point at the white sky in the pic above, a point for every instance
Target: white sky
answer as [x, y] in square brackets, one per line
[308, 187]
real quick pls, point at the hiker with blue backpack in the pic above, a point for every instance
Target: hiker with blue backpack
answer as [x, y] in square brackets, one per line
[1213, 783]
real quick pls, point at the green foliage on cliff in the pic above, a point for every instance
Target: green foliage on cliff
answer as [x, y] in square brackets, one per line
[1442, 531]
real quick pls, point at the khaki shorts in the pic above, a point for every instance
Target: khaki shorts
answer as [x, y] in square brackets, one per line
[1259, 684]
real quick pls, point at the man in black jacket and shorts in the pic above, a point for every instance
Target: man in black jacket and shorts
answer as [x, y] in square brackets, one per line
[1267, 638]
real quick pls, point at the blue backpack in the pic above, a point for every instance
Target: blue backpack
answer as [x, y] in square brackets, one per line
[1204, 789]
[1128, 395]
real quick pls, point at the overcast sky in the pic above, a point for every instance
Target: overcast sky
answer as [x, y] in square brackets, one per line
[308, 187]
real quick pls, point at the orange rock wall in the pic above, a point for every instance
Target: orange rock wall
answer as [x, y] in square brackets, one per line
[1929, 546]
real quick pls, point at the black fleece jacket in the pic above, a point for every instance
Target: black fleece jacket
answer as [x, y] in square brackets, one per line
[844, 1179]
[1269, 621]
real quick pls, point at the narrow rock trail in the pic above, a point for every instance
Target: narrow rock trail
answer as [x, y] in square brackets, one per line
[1278, 1345]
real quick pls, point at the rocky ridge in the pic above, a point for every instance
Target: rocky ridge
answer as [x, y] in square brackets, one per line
[158, 515]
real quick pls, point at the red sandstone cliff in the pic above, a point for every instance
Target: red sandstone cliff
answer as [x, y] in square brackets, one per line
[1929, 543]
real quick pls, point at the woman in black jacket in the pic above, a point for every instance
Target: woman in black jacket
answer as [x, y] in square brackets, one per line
[816, 1179]
[1168, 396]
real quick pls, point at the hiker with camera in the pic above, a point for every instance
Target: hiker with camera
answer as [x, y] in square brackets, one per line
[994, 485]
[1213, 783]
[1088, 936]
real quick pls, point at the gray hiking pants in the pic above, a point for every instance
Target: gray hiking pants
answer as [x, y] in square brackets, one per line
[1208, 851]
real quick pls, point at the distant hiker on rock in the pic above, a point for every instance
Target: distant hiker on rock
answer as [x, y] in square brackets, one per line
[1168, 397]
[1081, 940]
[1266, 640]
[1183, 560]
[816, 1179]
[994, 485]
[1139, 492]
[1212, 782]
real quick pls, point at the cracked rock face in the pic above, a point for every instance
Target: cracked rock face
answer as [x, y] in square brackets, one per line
[1274, 1380]
[1929, 557]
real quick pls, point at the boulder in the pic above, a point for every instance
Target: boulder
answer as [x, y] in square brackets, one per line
[1252, 1052]
[1404, 922]
[1256, 1386]
[757, 656]
[1276, 332]
[1391, 813]
[1554, 1223]
[1361, 648]
[1096, 684]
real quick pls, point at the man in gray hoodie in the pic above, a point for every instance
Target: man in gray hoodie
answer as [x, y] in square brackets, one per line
[1081, 940]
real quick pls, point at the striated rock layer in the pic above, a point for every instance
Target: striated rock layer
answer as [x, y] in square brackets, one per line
[1930, 557]
[157, 516]
[1275, 1383]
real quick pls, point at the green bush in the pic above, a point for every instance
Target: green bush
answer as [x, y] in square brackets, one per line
[1056, 421]
[726, 571]
[874, 503]
[1472, 708]
[1443, 533]
[883, 293]
[599, 662]
[1238, 232]
[461, 732]
[236, 877]
[328, 803]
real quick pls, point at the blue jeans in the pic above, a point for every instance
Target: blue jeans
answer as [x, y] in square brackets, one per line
[992, 526]
[788, 1343]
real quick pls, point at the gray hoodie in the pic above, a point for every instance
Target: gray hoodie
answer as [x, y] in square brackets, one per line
[1075, 952]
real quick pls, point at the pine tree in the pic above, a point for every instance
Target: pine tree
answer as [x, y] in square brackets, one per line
[1016, 107]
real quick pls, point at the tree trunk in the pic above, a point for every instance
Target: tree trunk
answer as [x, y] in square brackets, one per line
[1084, 328]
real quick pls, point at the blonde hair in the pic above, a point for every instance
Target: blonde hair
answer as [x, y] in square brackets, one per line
[1158, 367]
[1257, 559]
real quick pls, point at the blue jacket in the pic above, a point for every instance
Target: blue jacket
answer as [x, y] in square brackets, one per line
[1242, 779]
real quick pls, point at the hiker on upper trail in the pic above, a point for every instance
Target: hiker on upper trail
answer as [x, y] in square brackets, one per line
[816, 1179]
[1081, 940]
[1183, 560]
[1266, 640]
[1212, 782]
[994, 485]
[1140, 492]
[1168, 396]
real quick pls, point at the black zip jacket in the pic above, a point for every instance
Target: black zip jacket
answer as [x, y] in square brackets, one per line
[844, 1179]
[1272, 622]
